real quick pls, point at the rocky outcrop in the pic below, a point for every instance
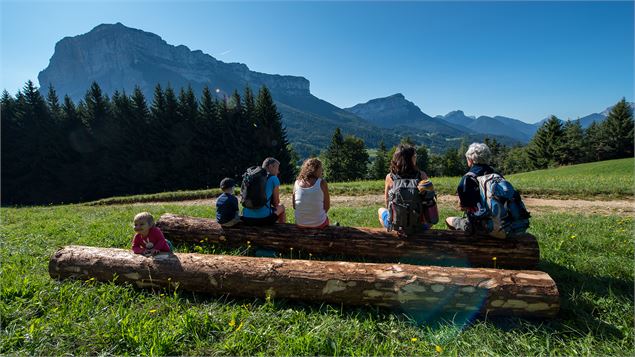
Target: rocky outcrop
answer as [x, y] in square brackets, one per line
[119, 58]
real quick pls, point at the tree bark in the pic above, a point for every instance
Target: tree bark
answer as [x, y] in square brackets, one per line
[433, 247]
[400, 286]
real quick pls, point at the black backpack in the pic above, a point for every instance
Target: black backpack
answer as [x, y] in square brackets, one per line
[252, 189]
[405, 205]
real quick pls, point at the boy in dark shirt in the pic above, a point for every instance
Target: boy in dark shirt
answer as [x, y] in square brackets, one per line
[227, 212]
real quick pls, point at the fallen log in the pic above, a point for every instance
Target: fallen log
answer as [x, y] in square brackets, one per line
[402, 286]
[433, 247]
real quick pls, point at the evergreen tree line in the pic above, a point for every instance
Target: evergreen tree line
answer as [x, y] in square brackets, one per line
[554, 144]
[58, 151]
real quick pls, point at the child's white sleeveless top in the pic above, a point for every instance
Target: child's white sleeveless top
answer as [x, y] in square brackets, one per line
[309, 205]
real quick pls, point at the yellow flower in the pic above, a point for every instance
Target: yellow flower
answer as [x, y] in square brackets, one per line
[573, 236]
[232, 323]
[239, 327]
[494, 258]
[414, 339]
[438, 348]
[153, 311]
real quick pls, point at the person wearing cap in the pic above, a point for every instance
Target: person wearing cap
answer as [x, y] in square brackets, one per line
[227, 212]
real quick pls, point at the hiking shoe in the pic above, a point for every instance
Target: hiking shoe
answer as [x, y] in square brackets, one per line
[458, 223]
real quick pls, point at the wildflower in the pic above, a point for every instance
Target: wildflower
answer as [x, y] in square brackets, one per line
[239, 327]
[494, 258]
[572, 237]
[91, 279]
[438, 348]
[232, 323]
[414, 339]
[153, 311]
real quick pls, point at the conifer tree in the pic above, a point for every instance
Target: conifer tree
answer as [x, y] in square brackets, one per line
[597, 140]
[159, 142]
[453, 164]
[355, 159]
[208, 141]
[275, 136]
[545, 148]
[381, 163]
[618, 127]
[184, 159]
[40, 150]
[573, 145]
[334, 158]
[53, 103]
[10, 142]
[423, 158]
[100, 166]
[75, 143]
[498, 151]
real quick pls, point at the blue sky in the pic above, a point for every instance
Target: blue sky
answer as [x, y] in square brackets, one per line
[523, 60]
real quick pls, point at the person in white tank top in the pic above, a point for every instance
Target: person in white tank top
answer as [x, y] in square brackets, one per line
[311, 200]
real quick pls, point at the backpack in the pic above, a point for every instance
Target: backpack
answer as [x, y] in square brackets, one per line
[253, 188]
[405, 205]
[502, 211]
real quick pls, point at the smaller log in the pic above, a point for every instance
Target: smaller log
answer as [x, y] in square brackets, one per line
[432, 247]
[405, 287]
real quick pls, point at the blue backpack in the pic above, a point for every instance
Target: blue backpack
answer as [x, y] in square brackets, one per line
[502, 211]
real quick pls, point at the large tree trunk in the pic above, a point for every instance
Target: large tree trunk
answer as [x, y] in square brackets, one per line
[408, 287]
[433, 247]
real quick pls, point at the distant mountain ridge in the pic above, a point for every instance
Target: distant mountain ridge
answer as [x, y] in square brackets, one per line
[395, 111]
[498, 125]
[119, 58]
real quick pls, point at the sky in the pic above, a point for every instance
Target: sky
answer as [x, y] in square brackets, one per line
[525, 60]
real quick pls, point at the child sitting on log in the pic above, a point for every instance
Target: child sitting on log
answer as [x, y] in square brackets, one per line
[227, 212]
[149, 239]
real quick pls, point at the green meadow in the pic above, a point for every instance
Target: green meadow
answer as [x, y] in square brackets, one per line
[589, 256]
[614, 179]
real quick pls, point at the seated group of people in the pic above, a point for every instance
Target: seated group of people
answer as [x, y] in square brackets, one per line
[311, 200]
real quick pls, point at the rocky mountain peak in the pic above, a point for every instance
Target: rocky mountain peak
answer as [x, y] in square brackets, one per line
[119, 58]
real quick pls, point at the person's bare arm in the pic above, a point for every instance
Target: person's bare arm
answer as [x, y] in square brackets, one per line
[293, 199]
[327, 198]
[387, 184]
[275, 198]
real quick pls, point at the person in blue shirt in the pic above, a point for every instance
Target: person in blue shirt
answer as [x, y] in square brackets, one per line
[272, 211]
[227, 204]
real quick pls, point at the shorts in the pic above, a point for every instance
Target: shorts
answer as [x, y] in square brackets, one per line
[385, 221]
[264, 221]
[321, 226]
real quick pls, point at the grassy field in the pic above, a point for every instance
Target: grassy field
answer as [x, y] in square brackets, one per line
[614, 179]
[590, 258]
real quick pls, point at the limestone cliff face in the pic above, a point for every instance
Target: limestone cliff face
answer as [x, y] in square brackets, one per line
[118, 58]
